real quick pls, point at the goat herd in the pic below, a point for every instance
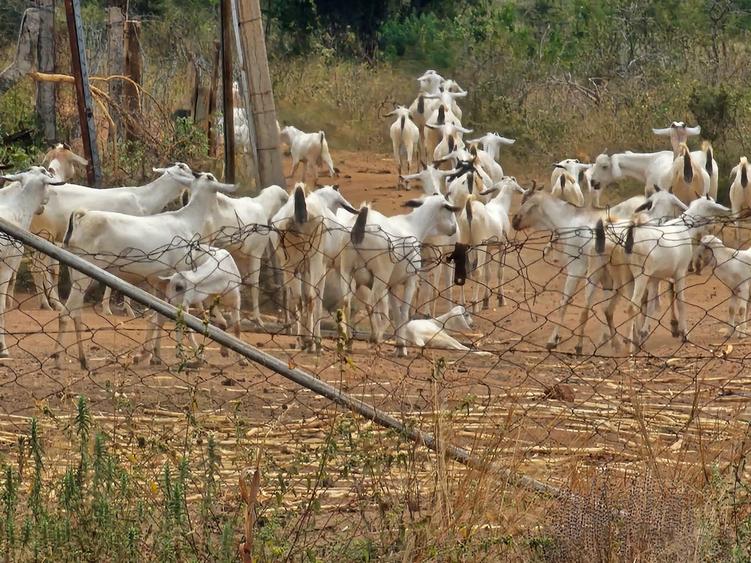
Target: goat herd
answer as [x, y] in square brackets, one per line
[207, 250]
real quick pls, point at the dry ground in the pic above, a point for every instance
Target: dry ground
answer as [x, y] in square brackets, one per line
[679, 405]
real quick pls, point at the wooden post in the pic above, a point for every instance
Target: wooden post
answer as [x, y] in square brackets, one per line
[116, 56]
[212, 99]
[261, 95]
[26, 49]
[227, 105]
[245, 96]
[132, 71]
[46, 98]
[80, 73]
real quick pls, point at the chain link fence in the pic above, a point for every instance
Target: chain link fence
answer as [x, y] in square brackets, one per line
[609, 449]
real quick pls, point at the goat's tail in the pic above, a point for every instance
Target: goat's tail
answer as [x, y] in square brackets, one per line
[629, 243]
[471, 182]
[73, 221]
[301, 210]
[326, 155]
[744, 175]
[401, 123]
[709, 166]
[420, 104]
[358, 229]
[688, 169]
[468, 211]
[600, 237]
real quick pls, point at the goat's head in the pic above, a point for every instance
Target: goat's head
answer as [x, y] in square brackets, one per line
[206, 181]
[178, 171]
[663, 203]
[605, 171]
[530, 213]
[439, 214]
[333, 199]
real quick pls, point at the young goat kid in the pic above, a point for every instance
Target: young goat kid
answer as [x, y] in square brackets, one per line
[310, 148]
[217, 280]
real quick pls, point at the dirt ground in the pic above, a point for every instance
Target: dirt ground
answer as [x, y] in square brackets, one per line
[551, 415]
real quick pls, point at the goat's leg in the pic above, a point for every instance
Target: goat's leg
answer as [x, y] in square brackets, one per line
[53, 276]
[680, 286]
[575, 275]
[378, 314]
[295, 164]
[38, 264]
[635, 309]
[409, 293]
[501, 277]
[589, 292]
[106, 299]
[79, 283]
[6, 273]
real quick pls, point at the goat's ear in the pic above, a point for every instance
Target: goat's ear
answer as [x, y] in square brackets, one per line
[66, 146]
[165, 278]
[335, 186]
[691, 131]
[452, 208]
[196, 174]
[493, 190]
[349, 208]
[646, 206]
[56, 183]
[665, 132]
[431, 126]
[559, 166]
[657, 188]
[413, 203]
[389, 114]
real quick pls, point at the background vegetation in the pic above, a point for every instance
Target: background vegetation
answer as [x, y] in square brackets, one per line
[566, 78]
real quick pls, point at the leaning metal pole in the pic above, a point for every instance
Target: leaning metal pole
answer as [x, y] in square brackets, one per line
[300, 377]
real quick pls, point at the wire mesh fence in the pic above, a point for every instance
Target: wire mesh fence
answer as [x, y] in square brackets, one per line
[155, 448]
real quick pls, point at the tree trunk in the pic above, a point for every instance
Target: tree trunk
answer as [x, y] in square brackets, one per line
[253, 42]
[26, 50]
[116, 58]
[132, 71]
[46, 98]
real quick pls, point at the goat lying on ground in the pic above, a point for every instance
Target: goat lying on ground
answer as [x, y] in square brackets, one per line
[431, 333]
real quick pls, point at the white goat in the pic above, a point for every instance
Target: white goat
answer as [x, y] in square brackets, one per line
[491, 143]
[571, 191]
[136, 249]
[405, 138]
[432, 332]
[217, 279]
[664, 252]
[740, 194]
[299, 236]
[608, 267]
[482, 225]
[733, 268]
[61, 161]
[678, 133]
[451, 139]
[137, 200]
[653, 169]
[385, 256]
[241, 225]
[310, 148]
[19, 201]
[431, 179]
[571, 226]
